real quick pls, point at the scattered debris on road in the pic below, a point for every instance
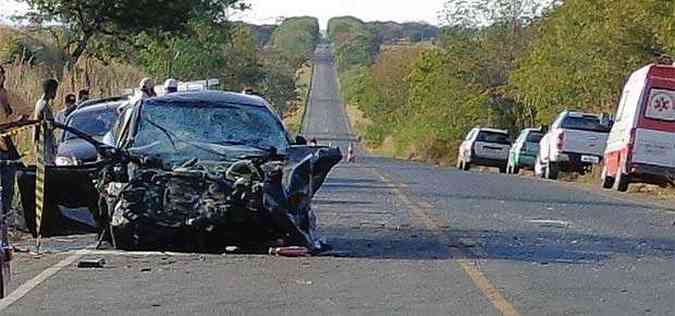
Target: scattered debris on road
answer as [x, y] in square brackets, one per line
[289, 252]
[91, 263]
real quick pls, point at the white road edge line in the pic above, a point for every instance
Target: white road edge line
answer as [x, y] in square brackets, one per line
[22, 290]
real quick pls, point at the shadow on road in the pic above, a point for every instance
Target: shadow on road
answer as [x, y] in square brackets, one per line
[541, 247]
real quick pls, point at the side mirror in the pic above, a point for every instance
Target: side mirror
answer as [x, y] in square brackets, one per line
[299, 140]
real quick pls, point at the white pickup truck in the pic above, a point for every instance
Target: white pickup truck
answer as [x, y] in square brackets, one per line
[575, 142]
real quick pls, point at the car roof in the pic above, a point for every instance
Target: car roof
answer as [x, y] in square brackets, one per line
[213, 96]
[494, 130]
[93, 102]
[536, 130]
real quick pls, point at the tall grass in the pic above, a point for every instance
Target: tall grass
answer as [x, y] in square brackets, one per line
[24, 85]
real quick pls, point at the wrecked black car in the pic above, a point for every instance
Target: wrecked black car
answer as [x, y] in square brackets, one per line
[204, 170]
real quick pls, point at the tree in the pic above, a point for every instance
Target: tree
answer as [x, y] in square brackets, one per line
[584, 52]
[121, 19]
[297, 38]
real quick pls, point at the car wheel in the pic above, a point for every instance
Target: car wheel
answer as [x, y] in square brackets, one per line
[538, 168]
[607, 181]
[622, 182]
[515, 170]
[552, 171]
[466, 166]
[503, 169]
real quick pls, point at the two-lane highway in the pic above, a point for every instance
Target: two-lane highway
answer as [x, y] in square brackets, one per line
[410, 239]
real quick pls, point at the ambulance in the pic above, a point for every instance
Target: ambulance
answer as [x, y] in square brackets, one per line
[641, 144]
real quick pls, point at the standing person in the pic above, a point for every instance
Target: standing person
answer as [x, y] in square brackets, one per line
[43, 111]
[170, 86]
[69, 106]
[146, 90]
[83, 96]
[7, 153]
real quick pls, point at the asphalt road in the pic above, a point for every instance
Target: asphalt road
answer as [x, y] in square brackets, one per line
[411, 239]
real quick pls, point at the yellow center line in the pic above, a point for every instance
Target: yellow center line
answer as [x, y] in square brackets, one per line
[420, 215]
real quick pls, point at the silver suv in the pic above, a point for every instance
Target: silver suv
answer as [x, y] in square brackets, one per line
[485, 147]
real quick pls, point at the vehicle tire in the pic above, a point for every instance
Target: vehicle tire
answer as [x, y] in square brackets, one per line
[515, 170]
[466, 166]
[503, 169]
[607, 181]
[622, 182]
[552, 171]
[539, 170]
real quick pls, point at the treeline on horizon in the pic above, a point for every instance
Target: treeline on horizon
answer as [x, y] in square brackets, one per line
[107, 51]
[499, 63]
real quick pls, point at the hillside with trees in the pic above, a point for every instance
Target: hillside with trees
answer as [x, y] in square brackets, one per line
[504, 64]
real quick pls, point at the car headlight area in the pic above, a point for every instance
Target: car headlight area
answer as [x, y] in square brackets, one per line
[66, 161]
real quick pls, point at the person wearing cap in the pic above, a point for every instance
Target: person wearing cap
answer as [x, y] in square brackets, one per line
[170, 86]
[146, 90]
[68, 107]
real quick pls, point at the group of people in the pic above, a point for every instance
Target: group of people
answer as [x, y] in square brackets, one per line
[44, 110]
[146, 89]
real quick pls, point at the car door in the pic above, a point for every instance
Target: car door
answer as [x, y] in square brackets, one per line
[69, 190]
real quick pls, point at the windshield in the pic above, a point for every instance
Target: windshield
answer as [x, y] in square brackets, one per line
[534, 137]
[585, 123]
[492, 137]
[95, 123]
[207, 131]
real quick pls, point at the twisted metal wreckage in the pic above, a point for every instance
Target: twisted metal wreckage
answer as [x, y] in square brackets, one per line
[140, 202]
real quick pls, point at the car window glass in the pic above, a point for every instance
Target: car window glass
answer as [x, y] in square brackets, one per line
[584, 123]
[492, 137]
[92, 122]
[622, 105]
[534, 137]
[179, 129]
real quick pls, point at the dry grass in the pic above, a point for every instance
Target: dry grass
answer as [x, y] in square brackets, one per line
[293, 117]
[24, 85]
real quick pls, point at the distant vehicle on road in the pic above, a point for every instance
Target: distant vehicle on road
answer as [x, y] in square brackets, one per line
[95, 118]
[641, 145]
[485, 147]
[575, 142]
[524, 151]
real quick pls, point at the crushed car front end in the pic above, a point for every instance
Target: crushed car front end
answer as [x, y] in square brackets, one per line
[189, 188]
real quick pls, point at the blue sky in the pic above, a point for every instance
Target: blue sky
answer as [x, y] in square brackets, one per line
[267, 11]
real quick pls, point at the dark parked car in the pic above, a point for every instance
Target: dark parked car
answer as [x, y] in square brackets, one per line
[95, 118]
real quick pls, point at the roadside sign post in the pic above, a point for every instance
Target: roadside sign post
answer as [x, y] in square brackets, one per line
[40, 175]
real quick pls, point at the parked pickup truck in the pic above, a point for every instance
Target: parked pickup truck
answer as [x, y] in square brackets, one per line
[575, 142]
